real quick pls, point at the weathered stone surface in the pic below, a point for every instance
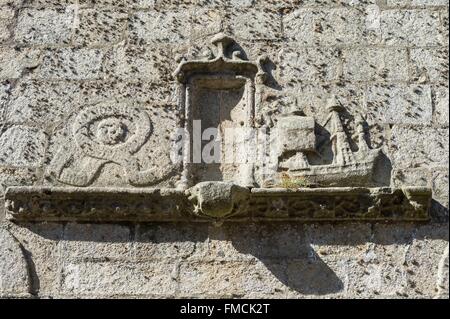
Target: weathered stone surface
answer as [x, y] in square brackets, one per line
[419, 147]
[148, 63]
[41, 241]
[311, 98]
[5, 88]
[91, 242]
[423, 260]
[336, 26]
[443, 274]
[45, 27]
[375, 64]
[107, 279]
[236, 203]
[47, 103]
[5, 33]
[417, 2]
[120, 134]
[430, 65]
[309, 65]
[159, 27]
[6, 20]
[238, 242]
[14, 62]
[17, 176]
[411, 28]
[14, 278]
[71, 64]
[441, 102]
[118, 4]
[254, 24]
[440, 186]
[41, 102]
[22, 146]
[401, 104]
[214, 278]
[100, 28]
[444, 29]
[47, 3]
[412, 176]
[384, 62]
[205, 22]
[170, 241]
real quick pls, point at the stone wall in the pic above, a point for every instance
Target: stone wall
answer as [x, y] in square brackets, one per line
[386, 59]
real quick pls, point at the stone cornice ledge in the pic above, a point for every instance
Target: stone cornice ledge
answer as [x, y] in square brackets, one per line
[212, 201]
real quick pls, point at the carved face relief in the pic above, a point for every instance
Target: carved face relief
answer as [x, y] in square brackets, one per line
[106, 133]
[111, 131]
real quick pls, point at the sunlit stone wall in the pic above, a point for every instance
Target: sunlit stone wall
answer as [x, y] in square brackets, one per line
[384, 59]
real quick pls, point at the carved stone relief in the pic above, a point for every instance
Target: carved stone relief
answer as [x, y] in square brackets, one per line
[111, 133]
[298, 145]
[292, 167]
[219, 91]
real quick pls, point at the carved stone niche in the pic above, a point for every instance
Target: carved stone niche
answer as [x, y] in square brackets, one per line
[222, 91]
[218, 92]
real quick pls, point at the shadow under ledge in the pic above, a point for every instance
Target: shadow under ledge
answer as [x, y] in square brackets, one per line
[216, 202]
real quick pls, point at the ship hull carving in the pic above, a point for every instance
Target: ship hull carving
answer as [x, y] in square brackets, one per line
[346, 168]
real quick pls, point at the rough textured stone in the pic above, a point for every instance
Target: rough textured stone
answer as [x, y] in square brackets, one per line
[15, 62]
[254, 24]
[14, 279]
[150, 63]
[441, 102]
[22, 146]
[45, 27]
[400, 104]
[430, 65]
[107, 279]
[213, 278]
[163, 242]
[71, 64]
[5, 88]
[423, 261]
[159, 27]
[310, 65]
[5, 33]
[41, 243]
[413, 176]
[375, 64]
[111, 242]
[417, 2]
[419, 147]
[17, 176]
[411, 28]
[383, 61]
[440, 183]
[100, 28]
[340, 26]
[41, 102]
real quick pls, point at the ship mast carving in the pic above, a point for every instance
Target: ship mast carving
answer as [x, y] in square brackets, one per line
[347, 167]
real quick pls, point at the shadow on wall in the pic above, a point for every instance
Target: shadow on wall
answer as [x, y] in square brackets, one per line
[310, 259]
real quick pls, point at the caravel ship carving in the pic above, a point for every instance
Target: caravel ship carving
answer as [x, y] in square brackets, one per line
[296, 134]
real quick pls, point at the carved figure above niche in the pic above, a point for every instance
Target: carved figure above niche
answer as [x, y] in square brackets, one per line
[119, 162]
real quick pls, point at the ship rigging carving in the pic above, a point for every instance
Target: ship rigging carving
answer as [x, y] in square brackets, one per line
[297, 140]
